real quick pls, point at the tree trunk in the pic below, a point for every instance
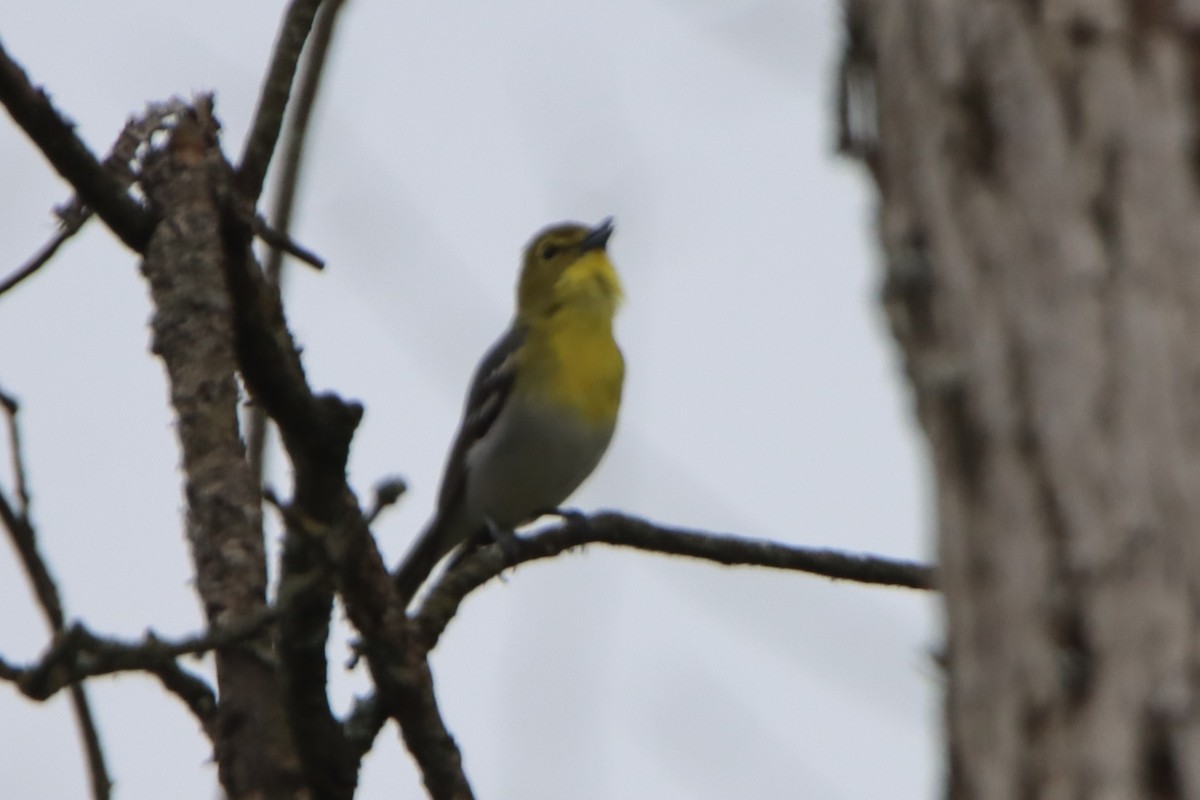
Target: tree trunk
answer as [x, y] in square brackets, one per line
[1037, 166]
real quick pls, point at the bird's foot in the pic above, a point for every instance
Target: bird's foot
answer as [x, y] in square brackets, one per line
[505, 539]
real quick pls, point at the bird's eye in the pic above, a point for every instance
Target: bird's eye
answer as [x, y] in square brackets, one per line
[549, 251]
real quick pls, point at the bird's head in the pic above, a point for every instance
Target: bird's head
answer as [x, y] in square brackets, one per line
[567, 264]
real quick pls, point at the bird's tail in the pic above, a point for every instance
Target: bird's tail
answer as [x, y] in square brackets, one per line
[444, 533]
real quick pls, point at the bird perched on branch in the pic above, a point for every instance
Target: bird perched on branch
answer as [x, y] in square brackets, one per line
[543, 403]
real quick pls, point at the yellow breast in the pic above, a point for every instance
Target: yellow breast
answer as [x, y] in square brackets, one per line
[574, 362]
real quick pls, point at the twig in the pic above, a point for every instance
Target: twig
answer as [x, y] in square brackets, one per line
[387, 492]
[11, 407]
[398, 664]
[38, 260]
[486, 563]
[100, 190]
[24, 538]
[316, 432]
[478, 568]
[400, 671]
[316, 56]
[77, 654]
[280, 242]
[119, 161]
[92, 749]
[117, 165]
[295, 138]
[273, 99]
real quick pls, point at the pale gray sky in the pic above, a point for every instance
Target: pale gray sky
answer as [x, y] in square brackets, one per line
[763, 395]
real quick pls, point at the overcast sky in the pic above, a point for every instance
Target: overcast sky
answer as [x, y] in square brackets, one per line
[763, 398]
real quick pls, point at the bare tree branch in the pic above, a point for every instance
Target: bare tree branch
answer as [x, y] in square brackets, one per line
[363, 724]
[399, 671]
[54, 136]
[306, 591]
[425, 734]
[316, 432]
[187, 182]
[478, 568]
[21, 533]
[94, 753]
[24, 541]
[119, 161]
[387, 493]
[11, 407]
[398, 663]
[38, 260]
[273, 99]
[24, 538]
[77, 654]
[325, 517]
[315, 57]
[279, 242]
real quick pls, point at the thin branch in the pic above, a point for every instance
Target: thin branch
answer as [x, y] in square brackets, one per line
[16, 519]
[100, 190]
[398, 664]
[387, 493]
[478, 568]
[92, 749]
[24, 541]
[24, 538]
[11, 407]
[273, 99]
[315, 57]
[38, 260]
[425, 734]
[119, 161]
[77, 654]
[399, 670]
[280, 242]
[316, 432]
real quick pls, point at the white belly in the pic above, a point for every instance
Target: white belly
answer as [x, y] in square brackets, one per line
[536, 463]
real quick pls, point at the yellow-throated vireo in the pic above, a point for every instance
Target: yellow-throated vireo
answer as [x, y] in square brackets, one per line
[542, 405]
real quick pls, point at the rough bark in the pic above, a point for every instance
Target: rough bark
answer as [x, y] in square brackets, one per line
[193, 333]
[1037, 172]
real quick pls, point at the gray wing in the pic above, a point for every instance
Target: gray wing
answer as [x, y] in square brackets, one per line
[490, 390]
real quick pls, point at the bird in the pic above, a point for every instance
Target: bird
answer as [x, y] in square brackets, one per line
[542, 406]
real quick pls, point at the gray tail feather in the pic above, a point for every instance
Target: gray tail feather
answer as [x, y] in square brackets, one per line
[443, 535]
[416, 566]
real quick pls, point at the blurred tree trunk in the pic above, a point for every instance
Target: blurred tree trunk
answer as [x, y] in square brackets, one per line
[1037, 165]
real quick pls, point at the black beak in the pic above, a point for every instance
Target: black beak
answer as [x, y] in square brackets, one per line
[597, 237]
